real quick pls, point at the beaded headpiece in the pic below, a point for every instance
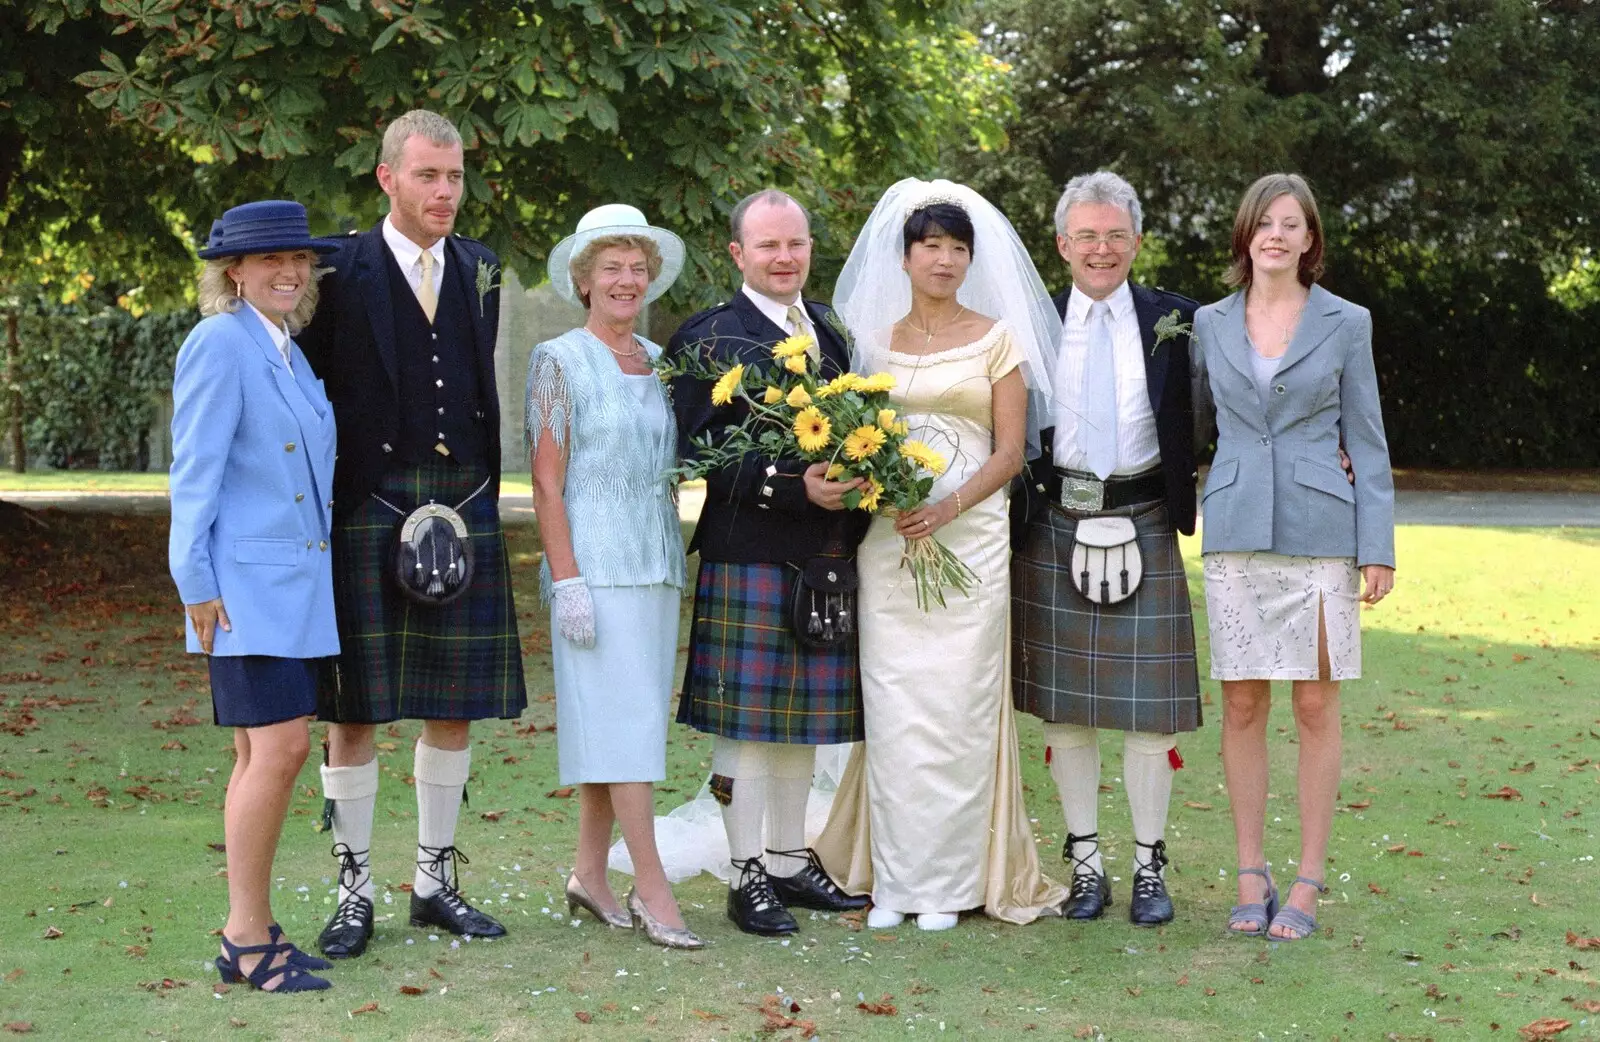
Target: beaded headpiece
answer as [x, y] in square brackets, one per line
[935, 199]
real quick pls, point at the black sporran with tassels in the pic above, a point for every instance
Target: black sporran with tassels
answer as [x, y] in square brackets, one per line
[432, 556]
[823, 612]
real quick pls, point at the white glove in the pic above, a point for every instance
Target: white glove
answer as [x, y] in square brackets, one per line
[575, 611]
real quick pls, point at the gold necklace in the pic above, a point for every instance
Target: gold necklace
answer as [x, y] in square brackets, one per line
[929, 335]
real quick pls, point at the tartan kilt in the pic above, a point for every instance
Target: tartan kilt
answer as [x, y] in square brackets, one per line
[749, 679]
[400, 660]
[1128, 666]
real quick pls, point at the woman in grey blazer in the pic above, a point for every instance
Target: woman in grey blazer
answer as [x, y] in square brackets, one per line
[1288, 539]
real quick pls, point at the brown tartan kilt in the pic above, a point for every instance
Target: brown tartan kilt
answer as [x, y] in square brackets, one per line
[400, 660]
[749, 679]
[1128, 666]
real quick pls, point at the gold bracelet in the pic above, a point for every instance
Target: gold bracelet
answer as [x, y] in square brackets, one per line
[958, 504]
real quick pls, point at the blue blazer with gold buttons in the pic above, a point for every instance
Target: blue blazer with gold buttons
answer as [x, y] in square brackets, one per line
[252, 490]
[1276, 483]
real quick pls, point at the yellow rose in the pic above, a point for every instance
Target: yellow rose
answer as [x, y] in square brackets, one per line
[811, 430]
[727, 383]
[863, 442]
[773, 396]
[835, 471]
[798, 398]
[886, 419]
[795, 364]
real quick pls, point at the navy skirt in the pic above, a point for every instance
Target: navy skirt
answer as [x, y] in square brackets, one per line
[257, 690]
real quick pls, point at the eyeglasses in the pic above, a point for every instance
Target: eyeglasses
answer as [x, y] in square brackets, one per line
[1085, 242]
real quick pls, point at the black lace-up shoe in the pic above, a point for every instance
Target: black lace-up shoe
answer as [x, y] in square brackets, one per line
[812, 887]
[1091, 893]
[1150, 904]
[446, 908]
[754, 906]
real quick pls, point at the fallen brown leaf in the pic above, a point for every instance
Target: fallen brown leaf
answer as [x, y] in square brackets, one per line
[584, 1016]
[19, 1027]
[1581, 943]
[1211, 991]
[1523, 768]
[1396, 849]
[1543, 1028]
[885, 1008]
[412, 989]
[560, 794]
[706, 1015]
[1504, 846]
[1375, 888]
[237, 1023]
[1183, 981]
[15, 974]
[1504, 792]
[1586, 1005]
[371, 1007]
[51, 933]
[1084, 1032]
[1359, 805]
[1193, 805]
[1134, 990]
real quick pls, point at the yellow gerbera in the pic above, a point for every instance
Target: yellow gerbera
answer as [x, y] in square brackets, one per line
[869, 496]
[886, 419]
[835, 471]
[919, 453]
[875, 383]
[727, 383]
[790, 347]
[795, 364]
[798, 398]
[773, 396]
[838, 385]
[811, 430]
[862, 442]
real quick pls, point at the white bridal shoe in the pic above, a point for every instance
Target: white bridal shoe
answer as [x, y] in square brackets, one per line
[880, 918]
[936, 920]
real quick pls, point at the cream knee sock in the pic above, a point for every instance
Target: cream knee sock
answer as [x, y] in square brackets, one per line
[1075, 766]
[787, 792]
[1147, 777]
[441, 775]
[354, 792]
[746, 769]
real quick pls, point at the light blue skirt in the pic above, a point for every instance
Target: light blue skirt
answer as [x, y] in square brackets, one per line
[612, 700]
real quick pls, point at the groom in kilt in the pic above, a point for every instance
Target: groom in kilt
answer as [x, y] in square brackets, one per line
[1122, 446]
[404, 340]
[769, 700]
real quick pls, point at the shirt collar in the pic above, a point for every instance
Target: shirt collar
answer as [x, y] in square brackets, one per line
[776, 312]
[280, 338]
[407, 253]
[1121, 302]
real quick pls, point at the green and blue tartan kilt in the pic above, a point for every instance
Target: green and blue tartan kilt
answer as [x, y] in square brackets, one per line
[1128, 666]
[749, 679]
[400, 660]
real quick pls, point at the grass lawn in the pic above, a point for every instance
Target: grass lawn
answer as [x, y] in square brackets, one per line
[1464, 883]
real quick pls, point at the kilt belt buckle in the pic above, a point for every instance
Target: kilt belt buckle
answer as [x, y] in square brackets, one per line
[1084, 494]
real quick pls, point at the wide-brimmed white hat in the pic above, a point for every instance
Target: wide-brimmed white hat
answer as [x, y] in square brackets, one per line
[615, 219]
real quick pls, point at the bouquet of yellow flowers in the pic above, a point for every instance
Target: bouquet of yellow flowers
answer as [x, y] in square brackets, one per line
[845, 422]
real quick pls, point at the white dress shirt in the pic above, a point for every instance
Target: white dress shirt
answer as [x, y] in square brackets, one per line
[408, 255]
[1137, 448]
[779, 313]
[280, 337]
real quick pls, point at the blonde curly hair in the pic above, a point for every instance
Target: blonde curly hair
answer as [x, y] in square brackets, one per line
[219, 294]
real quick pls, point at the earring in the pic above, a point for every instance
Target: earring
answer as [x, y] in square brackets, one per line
[238, 289]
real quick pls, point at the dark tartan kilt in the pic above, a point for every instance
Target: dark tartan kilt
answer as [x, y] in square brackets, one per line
[401, 660]
[748, 678]
[1128, 666]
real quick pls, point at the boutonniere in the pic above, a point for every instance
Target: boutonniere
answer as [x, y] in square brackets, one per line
[1170, 327]
[488, 280]
[835, 323]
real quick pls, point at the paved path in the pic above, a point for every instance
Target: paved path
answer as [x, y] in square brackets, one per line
[1534, 509]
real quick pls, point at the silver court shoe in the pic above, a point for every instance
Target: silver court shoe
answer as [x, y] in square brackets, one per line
[665, 936]
[578, 897]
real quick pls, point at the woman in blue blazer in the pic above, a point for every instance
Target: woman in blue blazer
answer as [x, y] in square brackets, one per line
[252, 480]
[1288, 538]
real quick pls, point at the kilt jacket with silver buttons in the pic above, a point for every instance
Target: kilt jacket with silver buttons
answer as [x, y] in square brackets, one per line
[252, 485]
[351, 344]
[1276, 483]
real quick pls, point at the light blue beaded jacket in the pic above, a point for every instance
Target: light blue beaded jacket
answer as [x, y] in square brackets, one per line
[621, 503]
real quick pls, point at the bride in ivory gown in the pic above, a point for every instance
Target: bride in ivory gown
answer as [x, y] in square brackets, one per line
[929, 816]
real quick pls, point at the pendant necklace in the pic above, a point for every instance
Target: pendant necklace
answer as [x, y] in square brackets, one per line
[928, 335]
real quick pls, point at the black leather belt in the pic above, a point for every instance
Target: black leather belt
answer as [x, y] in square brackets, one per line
[1075, 490]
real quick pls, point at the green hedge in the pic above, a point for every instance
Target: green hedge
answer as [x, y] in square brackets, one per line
[92, 380]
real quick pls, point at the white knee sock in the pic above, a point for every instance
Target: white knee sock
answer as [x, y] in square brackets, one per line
[1075, 766]
[441, 775]
[1147, 777]
[746, 769]
[354, 792]
[787, 792]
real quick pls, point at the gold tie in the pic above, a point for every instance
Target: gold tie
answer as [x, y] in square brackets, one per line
[425, 295]
[797, 320]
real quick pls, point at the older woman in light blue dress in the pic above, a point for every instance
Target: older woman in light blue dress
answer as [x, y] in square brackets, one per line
[602, 441]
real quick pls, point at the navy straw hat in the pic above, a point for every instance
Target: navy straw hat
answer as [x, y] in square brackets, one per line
[262, 227]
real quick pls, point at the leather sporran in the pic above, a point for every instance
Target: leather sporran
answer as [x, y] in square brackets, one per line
[432, 560]
[1106, 564]
[822, 610]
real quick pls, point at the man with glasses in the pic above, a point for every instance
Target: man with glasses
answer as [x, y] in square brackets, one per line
[1117, 655]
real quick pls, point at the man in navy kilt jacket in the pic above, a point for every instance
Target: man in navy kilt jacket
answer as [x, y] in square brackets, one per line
[404, 340]
[769, 700]
[1130, 666]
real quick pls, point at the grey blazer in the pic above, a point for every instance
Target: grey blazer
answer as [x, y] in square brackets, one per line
[1277, 483]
